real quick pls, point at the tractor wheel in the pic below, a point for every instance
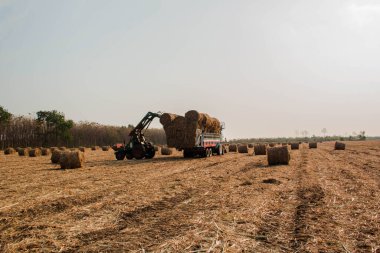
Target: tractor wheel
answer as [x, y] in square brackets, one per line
[120, 156]
[138, 152]
[150, 152]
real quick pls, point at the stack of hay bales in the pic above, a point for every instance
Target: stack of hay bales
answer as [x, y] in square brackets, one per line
[340, 146]
[45, 151]
[56, 156]
[242, 148]
[23, 151]
[313, 145]
[9, 151]
[232, 148]
[105, 148]
[71, 159]
[294, 146]
[166, 151]
[35, 152]
[260, 149]
[181, 131]
[278, 155]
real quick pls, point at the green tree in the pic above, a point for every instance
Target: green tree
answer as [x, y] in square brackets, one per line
[5, 116]
[54, 127]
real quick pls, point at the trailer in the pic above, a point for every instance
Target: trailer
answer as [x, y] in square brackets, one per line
[207, 144]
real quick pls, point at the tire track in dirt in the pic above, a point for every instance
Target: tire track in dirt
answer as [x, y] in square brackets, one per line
[310, 214]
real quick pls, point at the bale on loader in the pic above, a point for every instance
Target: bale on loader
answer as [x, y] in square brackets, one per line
[242, 148]
[294, 146]
[55, 156]
[278, 155]
[71, 160]
[232, 148]
[45, 151]
[166, 151]
[35, 152]
[9, 151]
[313, 145]
[260, 149]
[105, 148]
[23, 151]
[340, 146]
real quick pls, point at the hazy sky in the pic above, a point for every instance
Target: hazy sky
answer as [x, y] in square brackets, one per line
[265, 68]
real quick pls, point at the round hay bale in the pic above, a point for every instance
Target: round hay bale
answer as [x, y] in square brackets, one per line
[71, 160]
[35, 152]
[62, 148]
[73, 149]
[166, 151]
[56, 156]
[250, 145]
[232, 148]
[82, 149]
[9, 151]
[272, 145]
[45, 151]
[278, 155]
[313, 145]
[105, 148]
[340, 146]
[260, 149]
[167, 118]
[243, 149]
[294, 146]
[23, 151]
[94, 148]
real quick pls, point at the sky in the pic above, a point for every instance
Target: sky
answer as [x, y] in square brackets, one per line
[266, 68]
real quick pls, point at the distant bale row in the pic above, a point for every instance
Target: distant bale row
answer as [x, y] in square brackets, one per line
[9, 151]
[295, 146]
[242, 148]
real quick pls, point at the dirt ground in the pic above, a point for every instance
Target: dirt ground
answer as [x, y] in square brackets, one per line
[324, 201]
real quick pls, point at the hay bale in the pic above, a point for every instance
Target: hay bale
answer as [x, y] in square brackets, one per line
[72, 149]
[272, 145]
[94, 148]
[82, 149]
[250, 145]
[313, 145]
[56, 156]
[278, 155]
[45, 151]
[23, 151]
[167, 118]
[53, 148]
[340, 146]
[71, 160]
[105, 148]
[35, 152]
[156, 148]
[232, 148]
[62, 148]
[166, 151]
[294, 146]
[260, 149]
[243, 149]
[9, 151]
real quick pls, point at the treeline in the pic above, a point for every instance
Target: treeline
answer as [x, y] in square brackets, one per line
[359, 137]
[51, 128]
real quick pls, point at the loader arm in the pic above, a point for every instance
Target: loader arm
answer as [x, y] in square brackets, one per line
[144, 123]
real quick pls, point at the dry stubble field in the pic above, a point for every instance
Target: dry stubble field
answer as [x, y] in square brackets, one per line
[324, 201]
